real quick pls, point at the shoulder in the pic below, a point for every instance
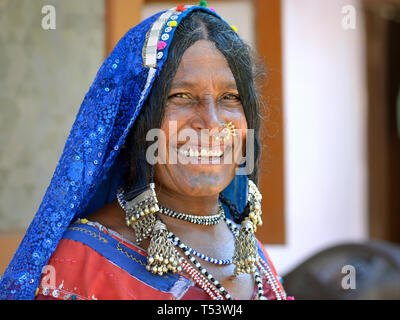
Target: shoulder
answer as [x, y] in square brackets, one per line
[81, 266]
[66, 270]
[91, 263]
[112, 217]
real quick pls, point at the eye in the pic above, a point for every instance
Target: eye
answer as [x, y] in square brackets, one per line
[231, 97]
[180, 95]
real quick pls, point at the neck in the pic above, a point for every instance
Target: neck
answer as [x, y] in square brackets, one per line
[195, 205]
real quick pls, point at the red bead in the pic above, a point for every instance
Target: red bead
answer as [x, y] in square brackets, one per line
[180, 7]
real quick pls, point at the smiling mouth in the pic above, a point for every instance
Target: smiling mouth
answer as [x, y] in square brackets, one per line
[198, 152]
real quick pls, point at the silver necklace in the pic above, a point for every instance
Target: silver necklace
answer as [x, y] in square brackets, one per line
[202, 220]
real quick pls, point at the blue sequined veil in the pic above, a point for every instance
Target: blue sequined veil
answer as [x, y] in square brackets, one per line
[88, 173]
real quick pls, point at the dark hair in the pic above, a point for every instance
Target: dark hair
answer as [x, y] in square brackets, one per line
[198, 25]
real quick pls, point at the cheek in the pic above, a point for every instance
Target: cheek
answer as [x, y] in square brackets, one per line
[241, 125]
[172, 121]
[243, 139]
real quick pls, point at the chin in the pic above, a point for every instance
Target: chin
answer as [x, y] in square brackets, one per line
[196, 179]
[205, 179]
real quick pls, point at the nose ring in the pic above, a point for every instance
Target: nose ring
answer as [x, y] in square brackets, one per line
[226, 132]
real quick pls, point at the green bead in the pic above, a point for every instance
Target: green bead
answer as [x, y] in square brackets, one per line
[203, 3]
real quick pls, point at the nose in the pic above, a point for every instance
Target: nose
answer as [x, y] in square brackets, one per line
[207, 115]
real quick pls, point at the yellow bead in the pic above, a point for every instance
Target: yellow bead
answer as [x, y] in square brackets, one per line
[84, 221]
[172, 24]
[234, 28]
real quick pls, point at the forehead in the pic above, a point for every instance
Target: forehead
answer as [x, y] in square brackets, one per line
[202, 62]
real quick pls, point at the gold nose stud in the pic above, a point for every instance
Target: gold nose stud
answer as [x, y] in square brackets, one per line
[226, 132]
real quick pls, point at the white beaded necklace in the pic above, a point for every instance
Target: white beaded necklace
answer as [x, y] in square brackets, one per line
[212, 284]
[204, 279]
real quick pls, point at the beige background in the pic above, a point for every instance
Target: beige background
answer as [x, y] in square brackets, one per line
[44, 76]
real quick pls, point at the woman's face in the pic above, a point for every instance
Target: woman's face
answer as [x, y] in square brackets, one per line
[203, 97]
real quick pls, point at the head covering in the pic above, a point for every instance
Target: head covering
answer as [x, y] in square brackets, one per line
[88, 173]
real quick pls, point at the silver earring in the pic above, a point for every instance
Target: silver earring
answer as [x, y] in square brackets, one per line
[140, 206]
[246, 254]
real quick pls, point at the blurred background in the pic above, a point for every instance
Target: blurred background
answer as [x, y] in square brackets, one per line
[330, 174]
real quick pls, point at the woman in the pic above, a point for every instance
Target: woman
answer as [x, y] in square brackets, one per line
[188, 73]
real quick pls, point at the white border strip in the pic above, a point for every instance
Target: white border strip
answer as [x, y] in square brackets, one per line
[150, 48]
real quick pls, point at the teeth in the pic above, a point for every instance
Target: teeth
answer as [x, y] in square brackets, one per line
[202, 153]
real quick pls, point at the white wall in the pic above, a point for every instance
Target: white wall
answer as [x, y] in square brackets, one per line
[325, 130]
[239, 13]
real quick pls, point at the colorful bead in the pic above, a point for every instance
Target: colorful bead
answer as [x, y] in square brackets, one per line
[202, 281]
[203, 3]
[234, 28]
[180, 7]
[272, 281]
[213, 283]
[184, 247]
[161, 45]
[172, 24]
